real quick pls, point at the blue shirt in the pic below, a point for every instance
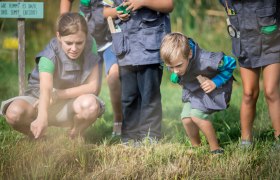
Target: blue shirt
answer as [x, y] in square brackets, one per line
[226, 67]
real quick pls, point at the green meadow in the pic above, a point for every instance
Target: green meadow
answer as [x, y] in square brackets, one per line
[99, 156]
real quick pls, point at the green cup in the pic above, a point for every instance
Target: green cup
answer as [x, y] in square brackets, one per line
[123, 9]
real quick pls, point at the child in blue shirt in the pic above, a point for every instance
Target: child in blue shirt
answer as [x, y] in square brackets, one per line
[206, 79]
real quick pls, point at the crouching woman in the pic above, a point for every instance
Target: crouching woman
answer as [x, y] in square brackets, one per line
[63, 87]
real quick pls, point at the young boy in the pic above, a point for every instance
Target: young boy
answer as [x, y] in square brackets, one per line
[206, 78]
[136, 43]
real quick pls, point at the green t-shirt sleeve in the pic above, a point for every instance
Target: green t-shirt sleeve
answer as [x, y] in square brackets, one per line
[46, 65]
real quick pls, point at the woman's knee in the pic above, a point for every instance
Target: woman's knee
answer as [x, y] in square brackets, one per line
[86, 106]
[250, 96]
[272, 94]
[14, 114]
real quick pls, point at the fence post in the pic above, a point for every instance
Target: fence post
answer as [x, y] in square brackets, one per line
[21, 53]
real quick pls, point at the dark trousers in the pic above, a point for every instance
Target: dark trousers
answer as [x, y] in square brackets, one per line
[141, 101]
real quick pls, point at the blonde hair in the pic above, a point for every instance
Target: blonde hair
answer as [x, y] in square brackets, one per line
[173, 46]
[71, 23]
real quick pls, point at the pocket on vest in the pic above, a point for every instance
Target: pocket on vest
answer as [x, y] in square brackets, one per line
[215, 101]
[271, 42]
[219, 98]
[266, 16]
[269, 29]
[151, 37]
[120, 46]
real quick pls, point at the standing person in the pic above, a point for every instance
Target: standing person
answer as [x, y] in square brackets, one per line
[140, 27]
[98, 28]
[62, 88]
[206, 79]
[254, 30]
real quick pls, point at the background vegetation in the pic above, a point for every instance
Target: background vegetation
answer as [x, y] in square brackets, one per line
[101, 156]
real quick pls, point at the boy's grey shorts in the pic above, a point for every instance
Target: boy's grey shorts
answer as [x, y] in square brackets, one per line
[59, 113]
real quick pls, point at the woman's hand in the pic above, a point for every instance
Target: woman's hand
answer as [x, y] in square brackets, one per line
[38, 127]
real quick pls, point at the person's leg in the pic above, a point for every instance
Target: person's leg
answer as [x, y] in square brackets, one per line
[149, 80]
[192, 131]
[19, 115]
[190, 127]
[250, 81]
[271, 80]
[208, 130]
[130, 103]
[86, 110]
[113, 81]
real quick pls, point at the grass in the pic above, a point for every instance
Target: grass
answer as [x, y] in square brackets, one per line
[102, 157]
[56, 157]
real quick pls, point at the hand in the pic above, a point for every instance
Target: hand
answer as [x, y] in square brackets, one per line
[123, 17]
[38, 127]
[208, 85]
[134, 5]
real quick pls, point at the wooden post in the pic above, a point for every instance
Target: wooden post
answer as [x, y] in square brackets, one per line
[21, 10]
[21, 54]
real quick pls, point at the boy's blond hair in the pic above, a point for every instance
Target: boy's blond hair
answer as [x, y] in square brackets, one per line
[173, 46]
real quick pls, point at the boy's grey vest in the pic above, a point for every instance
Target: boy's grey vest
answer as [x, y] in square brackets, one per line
[139, 41]
[68, 73]
[255, 48]
[97, 24]
[206, 64]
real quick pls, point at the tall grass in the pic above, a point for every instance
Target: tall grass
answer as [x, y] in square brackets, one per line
[102, 157]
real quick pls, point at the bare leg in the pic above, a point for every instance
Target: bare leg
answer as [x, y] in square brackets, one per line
[192, 131]
[209, 131]
[271, 75]
[250, 81]
[86, 108]
[115, 95]
[19, 115]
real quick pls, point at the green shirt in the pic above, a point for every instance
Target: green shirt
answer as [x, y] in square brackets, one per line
[46, 65]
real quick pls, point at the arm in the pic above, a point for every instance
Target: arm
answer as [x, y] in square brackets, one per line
[39, 125]
[65, 6]
[91, 86]
[164, 6]
[225, 68]
[109, 11]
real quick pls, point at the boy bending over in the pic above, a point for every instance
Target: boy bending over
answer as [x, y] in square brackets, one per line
[206, 79]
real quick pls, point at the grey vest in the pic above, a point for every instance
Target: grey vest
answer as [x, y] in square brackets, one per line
[255, 48]
[206, 64]
[68, 73]
[139, 41]
[97, 24]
